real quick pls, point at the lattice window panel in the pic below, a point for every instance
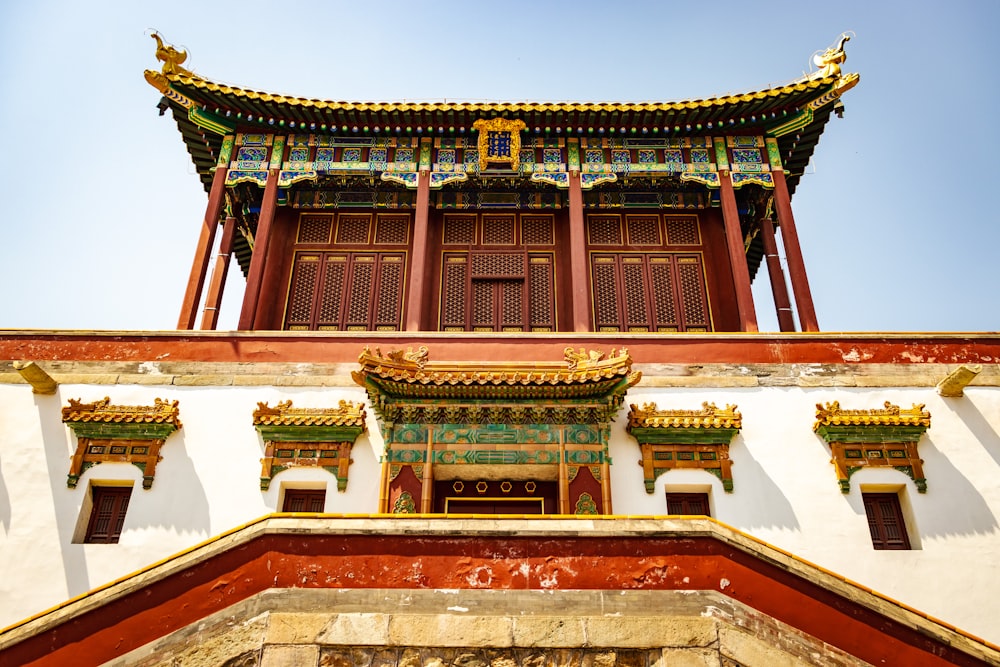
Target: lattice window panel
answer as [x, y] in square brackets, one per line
[682, 231]
[301, 291]
[360, 293]
[497, 264]
[693, 299]
[511, 304]
[634, 280]
[353, 229]
[537, 230]
[453, 297]
[649, 292]
[388, 305]
[392, 229]
[459, 230]
[604, 230]
[498, 230]
[482, 305]
[664, 293]
[643, 229]
[541, 297]
[605, 281]
[353, 291]
[331, 296]
[315, 229]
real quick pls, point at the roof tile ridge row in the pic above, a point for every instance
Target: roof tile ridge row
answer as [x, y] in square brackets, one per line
[797, 85]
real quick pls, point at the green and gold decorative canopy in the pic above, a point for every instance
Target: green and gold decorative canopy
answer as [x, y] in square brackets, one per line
[587, 386]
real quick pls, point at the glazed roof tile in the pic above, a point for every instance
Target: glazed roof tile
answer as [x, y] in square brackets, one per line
[710, 416]
[283, 414]
[410, 374]
[161, 412]
[832, 414]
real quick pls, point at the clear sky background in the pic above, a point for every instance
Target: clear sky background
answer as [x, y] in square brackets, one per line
[897, 214]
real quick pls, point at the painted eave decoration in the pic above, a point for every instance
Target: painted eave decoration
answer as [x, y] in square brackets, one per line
[672, 439]
[582, 374]
[109, 433]
[795, 113]
[101, 419]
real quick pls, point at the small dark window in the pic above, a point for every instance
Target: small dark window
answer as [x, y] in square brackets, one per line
[108, 515]
[885, 521]
[688, 503]
[304, 500]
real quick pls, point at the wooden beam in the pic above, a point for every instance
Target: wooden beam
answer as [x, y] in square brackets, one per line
[210, 317]
[778, 287]
[793, 254]
[737, 254]
[199, 267]
[580, 298]
[258, 259]
[415, 297]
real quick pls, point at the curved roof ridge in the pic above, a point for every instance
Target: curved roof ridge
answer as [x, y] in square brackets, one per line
[188, 78]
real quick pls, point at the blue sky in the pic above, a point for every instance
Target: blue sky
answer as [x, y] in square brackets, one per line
[101, 206]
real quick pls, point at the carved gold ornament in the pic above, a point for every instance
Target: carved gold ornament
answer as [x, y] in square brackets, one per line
[499, 141]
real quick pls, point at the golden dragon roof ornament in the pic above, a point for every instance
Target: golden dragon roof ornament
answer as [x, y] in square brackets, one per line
[171, 57]
[830, 60]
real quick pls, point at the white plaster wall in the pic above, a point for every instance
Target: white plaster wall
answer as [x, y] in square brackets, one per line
[786, 493]
[785, 489]
[207, 482]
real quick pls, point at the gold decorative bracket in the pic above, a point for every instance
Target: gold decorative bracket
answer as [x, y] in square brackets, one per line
[308, 437]
[879, 438]
[672, 439]
[119, 434]
[40, 381]
[954, 385]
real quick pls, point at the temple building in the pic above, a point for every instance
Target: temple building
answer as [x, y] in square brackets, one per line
[498, 397]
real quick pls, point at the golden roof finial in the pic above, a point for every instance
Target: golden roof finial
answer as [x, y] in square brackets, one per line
[170, 57]
[829, 61]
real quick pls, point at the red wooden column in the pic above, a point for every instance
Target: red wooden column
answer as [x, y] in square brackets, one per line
[793, 253]
[778, 288]
[261, 240]
[578, 255]
[199, 267]
[210, 317]
[737, 254]
[415, 296]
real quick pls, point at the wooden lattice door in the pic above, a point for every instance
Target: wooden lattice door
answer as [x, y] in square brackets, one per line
[350, 281]
[492, 277]
[642, 284]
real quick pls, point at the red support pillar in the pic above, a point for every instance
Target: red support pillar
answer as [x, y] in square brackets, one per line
[415, 297]
[210, 317]
[737, 254]
[259, 257]
[199, 267]
[781, 303]
[578, 256]
[793, 254]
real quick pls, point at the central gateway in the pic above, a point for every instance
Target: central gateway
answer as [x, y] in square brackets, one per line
[496, 438]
